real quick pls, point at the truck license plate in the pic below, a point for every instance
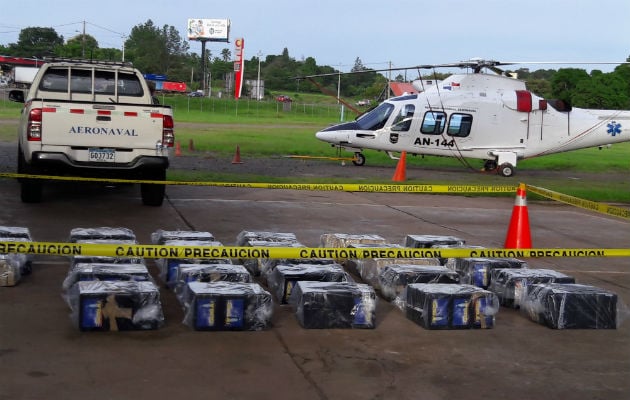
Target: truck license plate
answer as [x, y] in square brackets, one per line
[102, 155]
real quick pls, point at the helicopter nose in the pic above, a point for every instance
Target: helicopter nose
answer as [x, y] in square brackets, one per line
[328, 136]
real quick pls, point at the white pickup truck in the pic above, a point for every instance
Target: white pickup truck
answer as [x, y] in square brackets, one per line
[93, 119]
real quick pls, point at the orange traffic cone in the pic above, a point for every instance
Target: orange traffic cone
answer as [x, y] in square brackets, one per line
[237, 156]
[518, 235]
[400, 174]
[178, 149]
[191, 145]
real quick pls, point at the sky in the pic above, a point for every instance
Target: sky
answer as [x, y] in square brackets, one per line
[396, 33]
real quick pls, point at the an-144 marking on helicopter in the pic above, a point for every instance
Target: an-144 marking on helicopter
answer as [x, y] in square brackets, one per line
[481, 116]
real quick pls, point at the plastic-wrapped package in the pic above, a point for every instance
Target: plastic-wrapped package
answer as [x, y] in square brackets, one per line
[450, 306]
[116, 306]
[428, 241]
[284, 277]
[244, 237]
[324, 305]
[10, 273]
[477, 271]
[510, 284]
[227, 306]
[106, 259]
[99, 233]
[18, 234]
[161, 236]
[369, 269]
[267, 265]
[208, 273]
[571, 306]
[262, 266]
[168, 266]
[332, 240]
[394, 278]
[103, 272]
[255, 266]
[452, 262]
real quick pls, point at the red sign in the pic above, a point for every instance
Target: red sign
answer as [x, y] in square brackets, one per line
[239, 45]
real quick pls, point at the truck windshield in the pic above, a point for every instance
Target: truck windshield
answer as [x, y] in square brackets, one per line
[375, 119]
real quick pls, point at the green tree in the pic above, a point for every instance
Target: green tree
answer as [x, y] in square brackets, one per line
[565, 81]
[80, 46]
[158, 50]
[37, 42]
[601, 91]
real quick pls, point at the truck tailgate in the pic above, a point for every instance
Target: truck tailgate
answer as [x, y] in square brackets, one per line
[88, 125]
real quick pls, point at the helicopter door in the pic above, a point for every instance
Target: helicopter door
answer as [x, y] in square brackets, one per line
[402, 123]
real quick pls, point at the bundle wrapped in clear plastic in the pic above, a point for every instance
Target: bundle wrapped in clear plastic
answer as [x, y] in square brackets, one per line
[103, 272]
[18, 234]
[450, 306]
[98, 233]
[478, 271]
[324, 305]
[428, 241]
[244, 237]
[284, 277]
[116, 306]
[162, 236]
[226, 306]
[369, 269]
[394, 278]
[511, 284]
[262, 266]
[571, 306]
[208, 273]
[106, 259]
[168, 266]
[332, 240]
[10, 270]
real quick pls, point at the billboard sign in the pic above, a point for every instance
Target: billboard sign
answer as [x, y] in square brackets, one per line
[213, 30]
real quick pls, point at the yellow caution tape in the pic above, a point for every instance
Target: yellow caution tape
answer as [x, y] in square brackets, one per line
[350, 187]
[586, 204]
[219, 252]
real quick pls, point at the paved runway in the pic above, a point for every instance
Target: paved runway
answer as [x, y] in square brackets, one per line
[43, 356]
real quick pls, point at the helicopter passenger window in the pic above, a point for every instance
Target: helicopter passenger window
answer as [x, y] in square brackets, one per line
[433, 123]
[459, 125]
[402, 123]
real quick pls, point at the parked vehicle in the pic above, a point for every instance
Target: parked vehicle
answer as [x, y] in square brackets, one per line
[93, 119]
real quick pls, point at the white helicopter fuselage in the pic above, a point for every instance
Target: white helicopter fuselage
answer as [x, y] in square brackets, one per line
[489, 117]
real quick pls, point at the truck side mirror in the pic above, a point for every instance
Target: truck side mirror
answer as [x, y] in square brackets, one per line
[17, 96]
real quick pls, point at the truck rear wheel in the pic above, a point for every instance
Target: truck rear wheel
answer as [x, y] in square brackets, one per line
[31, 189]
[153, 194]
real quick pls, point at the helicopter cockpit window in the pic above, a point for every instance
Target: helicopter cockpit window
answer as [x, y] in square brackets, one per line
[375, 119]
[402, 123]
[459, 125]
[433, 123]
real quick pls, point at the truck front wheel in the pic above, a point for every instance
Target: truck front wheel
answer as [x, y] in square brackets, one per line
[153, 194]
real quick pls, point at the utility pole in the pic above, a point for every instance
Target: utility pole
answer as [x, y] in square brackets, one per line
[83, 41]
[258, 80]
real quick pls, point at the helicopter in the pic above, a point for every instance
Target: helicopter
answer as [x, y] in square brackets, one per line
[479, 115]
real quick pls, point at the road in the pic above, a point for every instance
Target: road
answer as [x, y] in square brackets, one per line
[42, 355]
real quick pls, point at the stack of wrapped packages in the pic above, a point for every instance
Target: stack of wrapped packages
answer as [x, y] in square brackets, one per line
[109, 293]
[14, 265]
